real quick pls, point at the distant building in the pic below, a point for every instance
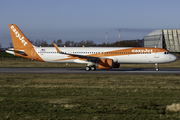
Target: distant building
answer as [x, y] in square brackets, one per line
[166, 38]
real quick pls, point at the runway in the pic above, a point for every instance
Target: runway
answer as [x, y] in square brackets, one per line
[82, 71]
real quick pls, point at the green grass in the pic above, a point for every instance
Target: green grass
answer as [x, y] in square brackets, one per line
[7, 55]
[84, 96]
[22, 62]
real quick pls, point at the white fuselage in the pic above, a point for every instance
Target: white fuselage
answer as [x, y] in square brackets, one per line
[49, 54]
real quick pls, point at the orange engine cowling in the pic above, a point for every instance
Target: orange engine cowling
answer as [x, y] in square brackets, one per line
[105, 64]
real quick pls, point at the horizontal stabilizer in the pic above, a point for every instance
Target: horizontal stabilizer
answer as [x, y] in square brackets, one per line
[21, 52]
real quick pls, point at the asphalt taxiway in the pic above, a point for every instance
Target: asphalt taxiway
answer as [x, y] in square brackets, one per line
[82, 71]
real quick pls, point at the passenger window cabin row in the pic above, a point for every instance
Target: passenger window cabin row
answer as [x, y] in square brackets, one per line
[105, 52]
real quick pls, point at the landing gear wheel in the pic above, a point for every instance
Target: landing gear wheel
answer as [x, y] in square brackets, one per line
[87, 68]
[157, 69]
[93, 68]
[156, 66]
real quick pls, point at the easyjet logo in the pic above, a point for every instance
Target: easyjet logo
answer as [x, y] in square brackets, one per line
[146, 50]
[21, 38]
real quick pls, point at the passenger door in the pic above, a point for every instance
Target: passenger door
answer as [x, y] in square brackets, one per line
[156, 53]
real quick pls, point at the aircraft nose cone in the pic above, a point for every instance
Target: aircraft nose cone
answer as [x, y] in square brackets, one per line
[173, 58]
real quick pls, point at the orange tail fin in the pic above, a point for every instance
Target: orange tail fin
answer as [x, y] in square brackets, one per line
[18, 38]
[22, 46]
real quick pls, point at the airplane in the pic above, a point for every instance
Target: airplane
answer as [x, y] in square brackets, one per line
[94, 57]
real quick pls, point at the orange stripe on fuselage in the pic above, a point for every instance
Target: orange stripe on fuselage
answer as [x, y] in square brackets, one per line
[127, 51]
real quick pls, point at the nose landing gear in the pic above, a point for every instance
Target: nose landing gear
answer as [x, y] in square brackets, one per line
[156, 67]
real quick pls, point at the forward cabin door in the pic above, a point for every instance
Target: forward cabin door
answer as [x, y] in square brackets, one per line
[156, 53]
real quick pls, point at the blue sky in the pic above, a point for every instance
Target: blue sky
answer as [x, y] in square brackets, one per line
[78, 20]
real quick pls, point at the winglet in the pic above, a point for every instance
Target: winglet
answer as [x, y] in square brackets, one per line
[56, 47]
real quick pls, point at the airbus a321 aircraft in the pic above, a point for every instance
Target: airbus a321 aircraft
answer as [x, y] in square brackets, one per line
[94, 57]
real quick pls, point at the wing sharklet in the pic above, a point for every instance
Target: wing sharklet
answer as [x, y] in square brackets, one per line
[56, 48]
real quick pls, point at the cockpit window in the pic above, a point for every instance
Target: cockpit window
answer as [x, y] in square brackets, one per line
[167, 52]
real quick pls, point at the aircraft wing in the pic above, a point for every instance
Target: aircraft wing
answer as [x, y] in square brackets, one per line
[76, 55]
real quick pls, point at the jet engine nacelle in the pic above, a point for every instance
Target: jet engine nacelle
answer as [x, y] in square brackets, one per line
[107, 64]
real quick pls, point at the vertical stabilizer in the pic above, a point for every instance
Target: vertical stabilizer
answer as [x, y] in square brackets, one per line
[18, 38]
[22, 46]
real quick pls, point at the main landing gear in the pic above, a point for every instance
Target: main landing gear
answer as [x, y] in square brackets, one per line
[156, 66]
[88, 68]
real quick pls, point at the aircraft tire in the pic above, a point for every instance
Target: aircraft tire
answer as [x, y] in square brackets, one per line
[93, 68]
[88, 68]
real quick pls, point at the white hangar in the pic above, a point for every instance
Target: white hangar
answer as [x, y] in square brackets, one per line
[166, 38]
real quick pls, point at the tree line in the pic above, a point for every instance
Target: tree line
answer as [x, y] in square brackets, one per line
[87, 43]
[60, 43]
